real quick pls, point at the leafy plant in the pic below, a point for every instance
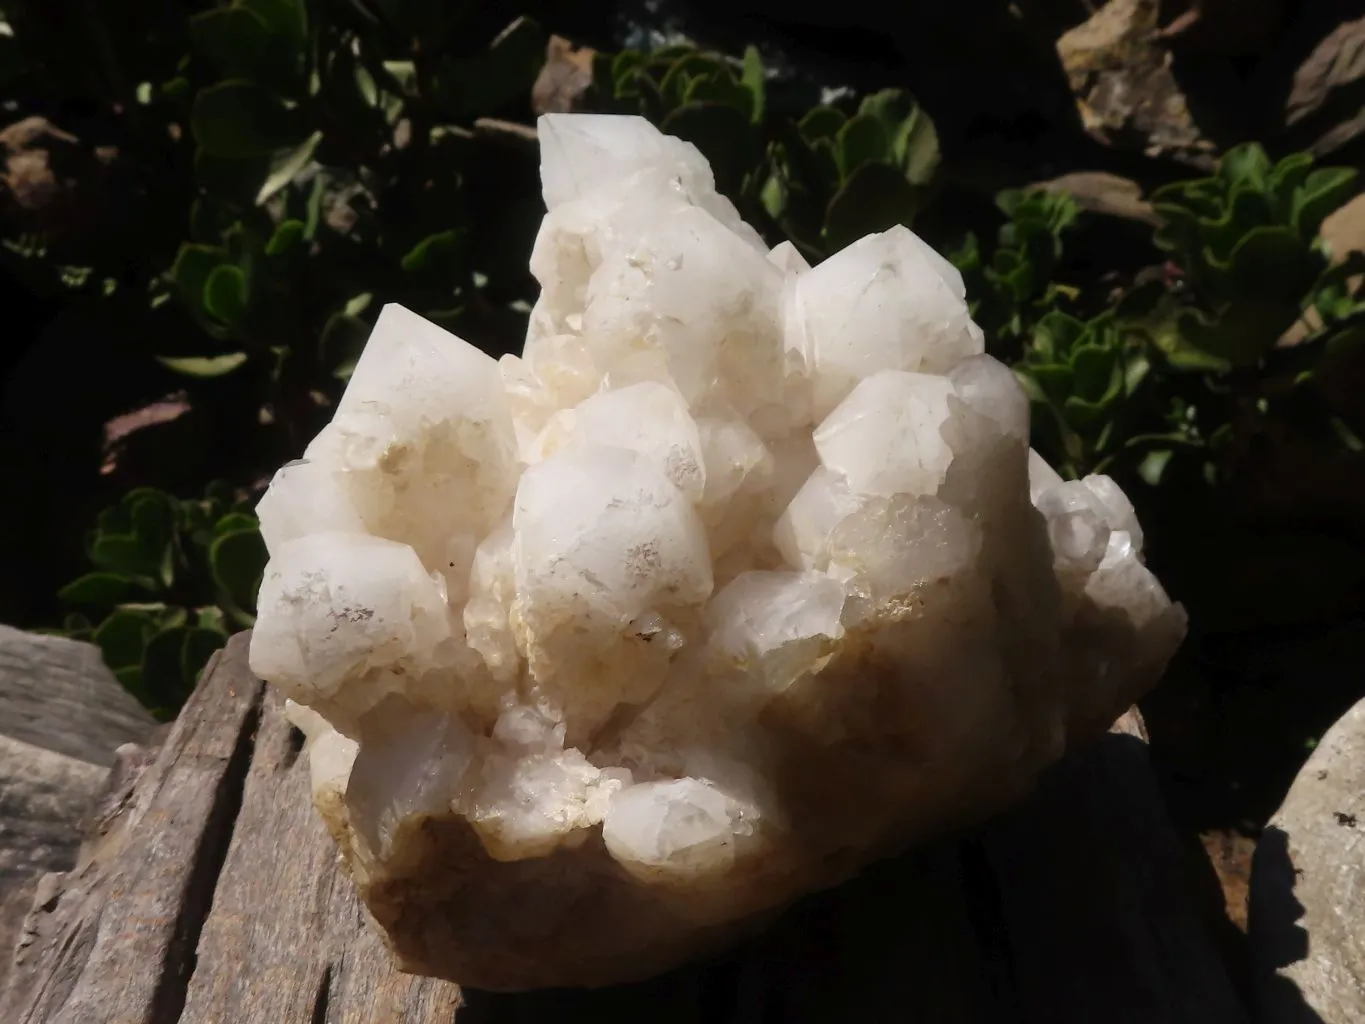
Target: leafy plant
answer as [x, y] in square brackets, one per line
[1246, 240]
[822, 177]
[283, 169]
[1083, 378]
[1195, 362]
[316, 158]
[837, 175]
[1015, 288]
[172, 579]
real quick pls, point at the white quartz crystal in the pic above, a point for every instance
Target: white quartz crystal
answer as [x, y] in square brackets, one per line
[740, 575]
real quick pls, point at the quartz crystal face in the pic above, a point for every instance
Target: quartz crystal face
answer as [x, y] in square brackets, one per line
[740, 576]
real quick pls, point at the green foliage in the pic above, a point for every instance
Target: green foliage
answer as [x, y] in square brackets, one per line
[1016, 287]
[822, 177]
[300, 163]
[836, 176]
[1082, 378]
[172, 579]
[1192, 365]
[1247, 240]
[309, 152]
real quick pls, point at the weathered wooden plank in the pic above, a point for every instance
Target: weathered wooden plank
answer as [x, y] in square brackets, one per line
[120, 931]
[286, 939]
[62, 715]
[1069, 908]
[57, 694]
[43, 797]
[1095, 896]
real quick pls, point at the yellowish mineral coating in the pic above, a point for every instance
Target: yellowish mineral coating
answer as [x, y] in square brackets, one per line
[741, 575]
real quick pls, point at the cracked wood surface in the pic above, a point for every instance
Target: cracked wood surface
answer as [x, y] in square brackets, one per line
[210, 893]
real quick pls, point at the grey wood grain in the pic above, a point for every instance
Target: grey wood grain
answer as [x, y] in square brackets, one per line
[57, 694]
[43, 797]
[215, 895]
[62, 716]
[287, 939]
[121, 928]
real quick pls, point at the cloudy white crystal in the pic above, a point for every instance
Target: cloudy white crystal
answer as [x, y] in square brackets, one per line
[887, 302]
[740, 574]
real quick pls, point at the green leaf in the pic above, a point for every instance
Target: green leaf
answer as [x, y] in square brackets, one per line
[862, 140]
[1246, 211]
[237, 560]
[676, 80]
[173, 660]
[1053, 380]
[130, 678]
[915, 147]
[205, 367]
[200, 644]
[1153, 466]
[126, 555]
[436, 255]
[821, 123]
[1082, 413]
[225, 294]
[123, 637]
[773, 196]
[1009, 200]
[190, 272]
[1055, 334]
[211, 617]
[1286, 179]
[342, 342]
[1097, 374]
[1203, 197]
[97, 588]
[624, 67]
[239, 119]
[287, 236]
[286, 165]
[721, 88]
[1270, 264]
[890, 106]
[1246, 164]
[1174, 340]
[724, 136]
[162, 677]
[232, 522]
[1323, 192]
[755, 80]
[876, 197]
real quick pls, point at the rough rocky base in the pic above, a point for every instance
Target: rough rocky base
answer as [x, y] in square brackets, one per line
[1307, 913]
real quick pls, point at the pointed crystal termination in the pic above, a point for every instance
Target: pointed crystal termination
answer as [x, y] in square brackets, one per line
[605, 651]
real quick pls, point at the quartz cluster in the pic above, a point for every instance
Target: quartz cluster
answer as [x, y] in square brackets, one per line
[741, 575]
